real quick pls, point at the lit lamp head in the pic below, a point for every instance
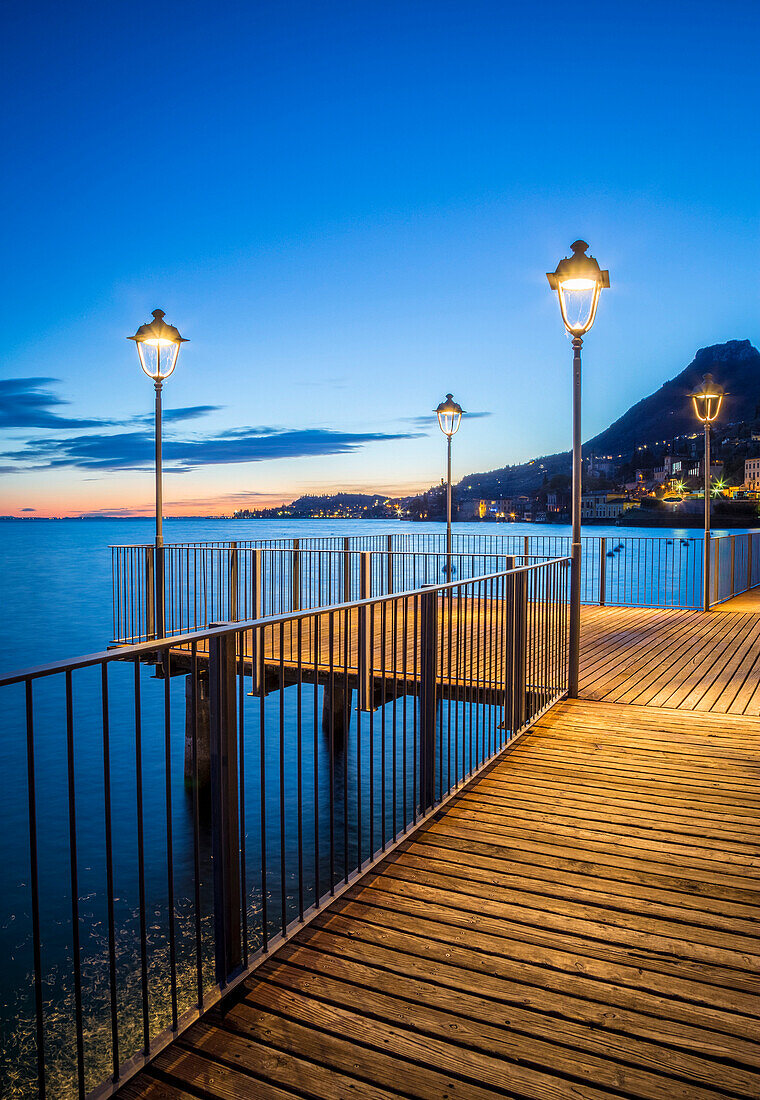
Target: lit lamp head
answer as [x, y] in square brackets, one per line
[578, 281]
[449, 415]
[707, 400]
[158, 347]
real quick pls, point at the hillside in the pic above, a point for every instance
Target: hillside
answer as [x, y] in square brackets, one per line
[664, 414]
[668, 412]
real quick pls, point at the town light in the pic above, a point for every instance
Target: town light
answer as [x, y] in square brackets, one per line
[449, 414]
[578, 281]
[707, 400]
[158, 347]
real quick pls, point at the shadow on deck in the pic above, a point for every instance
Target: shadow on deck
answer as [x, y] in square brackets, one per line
[577, 923]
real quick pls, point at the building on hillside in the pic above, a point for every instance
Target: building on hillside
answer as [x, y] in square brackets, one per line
[557, 501]
[752, 473]
[603, 505]
[671, 467]
[603, 466]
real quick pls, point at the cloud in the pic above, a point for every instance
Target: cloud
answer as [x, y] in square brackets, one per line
[134, 450]
[26, 403]
[431, 421]
[189, 412]
[28, 509]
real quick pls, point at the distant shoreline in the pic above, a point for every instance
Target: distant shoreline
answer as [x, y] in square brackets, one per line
[645, 520]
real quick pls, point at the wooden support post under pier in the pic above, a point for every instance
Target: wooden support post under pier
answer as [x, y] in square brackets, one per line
[336, 708]
[201, 730]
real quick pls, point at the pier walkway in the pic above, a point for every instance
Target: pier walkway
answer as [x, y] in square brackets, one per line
[577, 923]
[686, 660]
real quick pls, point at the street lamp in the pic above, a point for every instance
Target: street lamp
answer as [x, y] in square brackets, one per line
[707, 401]
[158, 347]
[449, 415]
[578, 281]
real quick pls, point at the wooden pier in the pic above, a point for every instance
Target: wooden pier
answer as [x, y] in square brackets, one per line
[580, 922]
[684, 660]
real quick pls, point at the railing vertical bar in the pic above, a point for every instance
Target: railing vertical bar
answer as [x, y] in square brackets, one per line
[194, 709]
[328, 704]
[299, 763]
[241, 640]
[75, 943]
[383, 645]
[283, 880]
[263, 790]
[317, 654]
[141, 859]
[169, 835]
[35, 893]
[346, 727]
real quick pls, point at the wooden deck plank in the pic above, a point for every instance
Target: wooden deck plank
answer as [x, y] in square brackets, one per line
[672, 658]
[581, 922]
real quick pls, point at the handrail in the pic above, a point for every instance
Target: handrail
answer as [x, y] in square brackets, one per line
[140, 649]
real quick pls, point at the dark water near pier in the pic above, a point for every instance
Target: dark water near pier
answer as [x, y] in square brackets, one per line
[56, 599]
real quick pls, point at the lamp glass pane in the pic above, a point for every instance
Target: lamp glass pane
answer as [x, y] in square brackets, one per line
[158, 358]
[449, 421]
[578, 297]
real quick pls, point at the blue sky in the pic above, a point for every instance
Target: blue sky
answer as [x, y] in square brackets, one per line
[349, 209]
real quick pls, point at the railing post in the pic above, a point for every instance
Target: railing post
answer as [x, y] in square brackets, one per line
[733, 563]
[714, 571]
[150, 595]
[160, 598]
[389, 562]
[232, 581]
[365, 641]
[519, 652]
[749, 561]
[257, 611]
[428, 695]
[224, 805]
[295, 577]
[346, 570]
[602, 571]
[526, 548]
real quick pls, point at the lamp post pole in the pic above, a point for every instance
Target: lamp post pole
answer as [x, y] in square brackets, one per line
[158, 345]
[159, 547]
[706, 568]
[707, 399]
[159, 472]
[578, 281]
[448, 513]
[575, 550]
[449, 414]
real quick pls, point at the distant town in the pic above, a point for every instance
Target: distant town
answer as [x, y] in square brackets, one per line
[654, 485]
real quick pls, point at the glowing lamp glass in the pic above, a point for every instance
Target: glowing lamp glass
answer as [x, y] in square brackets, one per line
[158, 346]
[707, 400]
[158, 358]
[449, 415]
[578, 281]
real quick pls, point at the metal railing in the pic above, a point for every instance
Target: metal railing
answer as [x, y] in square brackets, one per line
[189, 803]
[205, 584]
[228, 581]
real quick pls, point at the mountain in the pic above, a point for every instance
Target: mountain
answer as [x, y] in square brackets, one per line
[668, 412]
[664, 414]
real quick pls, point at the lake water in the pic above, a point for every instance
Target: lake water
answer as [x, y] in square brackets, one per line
[56, 599]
